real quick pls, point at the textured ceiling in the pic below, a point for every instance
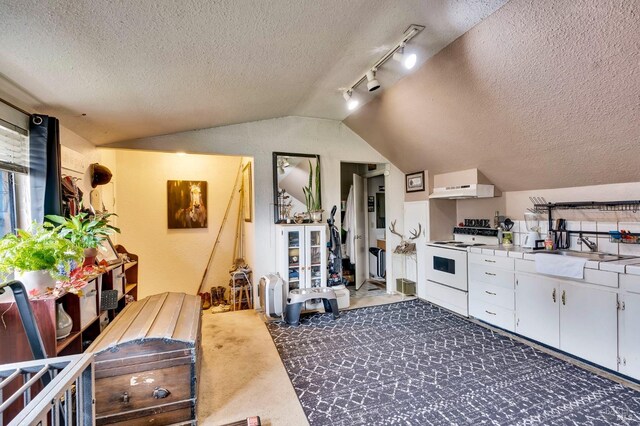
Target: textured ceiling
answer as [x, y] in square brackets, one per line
[541, 94]
[143, 68]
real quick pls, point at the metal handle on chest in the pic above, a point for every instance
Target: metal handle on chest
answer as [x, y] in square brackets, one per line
[159, 393]
[125, 397]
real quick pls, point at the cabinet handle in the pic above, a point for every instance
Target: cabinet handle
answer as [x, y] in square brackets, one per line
[490, 274]
[488, 292]
[490, 261]
[490, 313]
[564, 297]
[125, 397]
[553, 295]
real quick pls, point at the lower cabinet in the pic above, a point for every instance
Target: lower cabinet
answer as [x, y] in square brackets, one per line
[588, 324]
[537, 311]
[578, 319]
[629, 334]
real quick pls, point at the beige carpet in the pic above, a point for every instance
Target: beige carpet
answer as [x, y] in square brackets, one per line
[242, 374]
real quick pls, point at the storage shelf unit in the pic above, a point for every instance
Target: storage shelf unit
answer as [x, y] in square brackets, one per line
[86, 322]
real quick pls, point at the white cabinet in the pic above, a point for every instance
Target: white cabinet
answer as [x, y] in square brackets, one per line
[302, 255]
[629, 335]
[491, 293]
[576, 318]
[537, 311]
[588, 323]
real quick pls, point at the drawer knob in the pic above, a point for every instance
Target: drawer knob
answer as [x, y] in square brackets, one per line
[490, 313]
[490, 292]
[159, 393]
[125, 397]
[490, 261]
[490, 274]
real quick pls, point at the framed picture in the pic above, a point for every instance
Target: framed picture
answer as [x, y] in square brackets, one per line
[247, 193]
[186, 204]
[414, 182]
[107, 252]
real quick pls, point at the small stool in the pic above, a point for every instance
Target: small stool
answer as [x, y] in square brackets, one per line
[241, 290]
[297, 297]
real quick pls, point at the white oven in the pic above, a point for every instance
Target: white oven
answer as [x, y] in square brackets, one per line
[447, 266]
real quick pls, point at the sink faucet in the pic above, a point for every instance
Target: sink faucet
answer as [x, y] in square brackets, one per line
[593, 246]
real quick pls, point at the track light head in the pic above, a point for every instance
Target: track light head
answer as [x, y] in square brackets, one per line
[372, 83]
[351, 102]
[408, 60]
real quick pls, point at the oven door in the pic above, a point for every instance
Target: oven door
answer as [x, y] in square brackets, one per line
[447, 266]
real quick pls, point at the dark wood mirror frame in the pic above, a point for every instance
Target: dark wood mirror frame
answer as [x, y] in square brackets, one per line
[277, 200]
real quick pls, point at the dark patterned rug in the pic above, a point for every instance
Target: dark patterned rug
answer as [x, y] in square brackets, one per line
[412, 363]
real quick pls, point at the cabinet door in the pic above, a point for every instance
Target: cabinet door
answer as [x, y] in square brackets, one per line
[316, 258]
[588, 323]
[537, 312]
[294, 256]
[630, 335]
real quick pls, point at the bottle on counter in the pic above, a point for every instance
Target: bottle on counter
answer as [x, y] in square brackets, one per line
[548, 242]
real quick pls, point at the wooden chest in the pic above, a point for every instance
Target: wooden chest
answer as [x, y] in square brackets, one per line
[147, 362]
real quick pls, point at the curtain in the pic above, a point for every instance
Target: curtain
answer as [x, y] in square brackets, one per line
[44, 166]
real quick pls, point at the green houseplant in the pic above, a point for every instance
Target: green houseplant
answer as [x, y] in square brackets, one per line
[312, 194]
[38, 256]
[85, 231]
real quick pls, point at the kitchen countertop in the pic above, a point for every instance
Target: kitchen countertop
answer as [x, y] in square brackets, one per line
[629, 266]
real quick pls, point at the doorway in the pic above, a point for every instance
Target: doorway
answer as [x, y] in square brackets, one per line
[363, 230]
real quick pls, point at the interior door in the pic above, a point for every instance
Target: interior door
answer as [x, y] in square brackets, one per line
[360, 221]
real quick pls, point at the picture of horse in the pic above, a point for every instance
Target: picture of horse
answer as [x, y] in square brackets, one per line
[186, 204]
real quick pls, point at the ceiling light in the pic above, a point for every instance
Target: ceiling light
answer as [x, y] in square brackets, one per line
[408, 60]
[352, 103]
[372, 83]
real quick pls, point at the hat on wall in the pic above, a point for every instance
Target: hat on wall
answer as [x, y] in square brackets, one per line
[100, 175]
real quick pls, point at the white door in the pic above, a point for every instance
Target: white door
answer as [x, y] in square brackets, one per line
[360, 221]
[630, 335]
[588, 323]
[537, 312]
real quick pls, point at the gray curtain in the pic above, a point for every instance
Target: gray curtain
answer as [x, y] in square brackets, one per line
[44, 166]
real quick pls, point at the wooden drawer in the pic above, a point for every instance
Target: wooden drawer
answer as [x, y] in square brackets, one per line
[496, 295]
[496, 262]
[139, 387]
[181, 413]
[491, 275]
[494, 315]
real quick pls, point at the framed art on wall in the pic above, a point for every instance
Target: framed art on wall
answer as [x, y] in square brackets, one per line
[414, 182]
[186, 204]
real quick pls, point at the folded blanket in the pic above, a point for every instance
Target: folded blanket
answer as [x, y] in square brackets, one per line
[561, 266]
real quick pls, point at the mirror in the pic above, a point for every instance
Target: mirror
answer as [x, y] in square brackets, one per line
[290, 175]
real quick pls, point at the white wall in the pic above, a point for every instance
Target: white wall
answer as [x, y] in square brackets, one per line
[332, 140]
[175, 259]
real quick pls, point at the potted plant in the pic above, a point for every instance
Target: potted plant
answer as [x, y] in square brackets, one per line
[37, 257]
[312, 194]
[85, 231]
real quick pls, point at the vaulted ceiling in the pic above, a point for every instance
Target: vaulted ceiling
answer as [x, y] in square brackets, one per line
[143, 68]
[541, 94]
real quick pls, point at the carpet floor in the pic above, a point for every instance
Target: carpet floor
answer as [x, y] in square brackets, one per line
[412, 363]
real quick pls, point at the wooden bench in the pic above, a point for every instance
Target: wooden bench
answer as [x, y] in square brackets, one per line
[147, 362]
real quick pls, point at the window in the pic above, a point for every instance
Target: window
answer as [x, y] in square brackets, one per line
[8, 219]
[14, 166]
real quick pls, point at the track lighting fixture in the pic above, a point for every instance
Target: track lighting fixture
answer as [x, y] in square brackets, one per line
[352, 103]
[408, 60]
[372, 83]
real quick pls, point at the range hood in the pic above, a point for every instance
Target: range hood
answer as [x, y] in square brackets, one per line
[462, 185]
[461, 192]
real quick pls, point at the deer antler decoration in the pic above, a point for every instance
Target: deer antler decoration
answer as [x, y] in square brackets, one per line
[392, 228]
[416, 233]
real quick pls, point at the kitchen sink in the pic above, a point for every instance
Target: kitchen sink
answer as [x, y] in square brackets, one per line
[600, 257]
